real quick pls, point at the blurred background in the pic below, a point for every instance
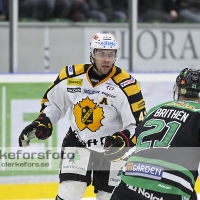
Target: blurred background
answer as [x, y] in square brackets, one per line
[157, 39]
[45, 35]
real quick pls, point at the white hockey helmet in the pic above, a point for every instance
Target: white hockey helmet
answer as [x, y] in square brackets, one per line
[103, 41]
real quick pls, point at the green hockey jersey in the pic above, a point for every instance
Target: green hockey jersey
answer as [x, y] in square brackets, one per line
[167, 152]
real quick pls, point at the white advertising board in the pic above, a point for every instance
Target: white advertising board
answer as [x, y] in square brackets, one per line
[158, 49]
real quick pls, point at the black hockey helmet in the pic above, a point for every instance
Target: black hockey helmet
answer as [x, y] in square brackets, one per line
[188, 83]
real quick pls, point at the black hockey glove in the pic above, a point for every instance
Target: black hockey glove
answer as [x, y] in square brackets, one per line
[40, 128]
[117, 145]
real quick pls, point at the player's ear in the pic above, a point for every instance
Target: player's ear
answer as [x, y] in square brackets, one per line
[92, 59]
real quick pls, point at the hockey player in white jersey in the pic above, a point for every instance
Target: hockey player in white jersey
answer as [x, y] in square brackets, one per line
[105, 104]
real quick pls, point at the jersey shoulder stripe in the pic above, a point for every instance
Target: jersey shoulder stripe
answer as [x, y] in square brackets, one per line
[130, 88]
[186, 105]
[71, 71]
[120, 76]
[81, 69]
[126, 82]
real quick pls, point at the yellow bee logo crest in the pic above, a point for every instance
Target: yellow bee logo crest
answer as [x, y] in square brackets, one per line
[88, 115]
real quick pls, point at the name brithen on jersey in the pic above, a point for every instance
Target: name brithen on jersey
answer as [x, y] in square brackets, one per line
[180, 115]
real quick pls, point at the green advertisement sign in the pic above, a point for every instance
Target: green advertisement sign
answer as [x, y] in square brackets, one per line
[20, 105]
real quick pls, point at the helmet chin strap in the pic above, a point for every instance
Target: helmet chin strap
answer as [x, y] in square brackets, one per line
[94, 65]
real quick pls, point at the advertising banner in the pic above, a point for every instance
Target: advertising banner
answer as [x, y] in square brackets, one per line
[161, 49]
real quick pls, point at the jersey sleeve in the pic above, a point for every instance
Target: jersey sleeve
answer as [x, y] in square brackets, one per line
[132, 107]
[55, 101]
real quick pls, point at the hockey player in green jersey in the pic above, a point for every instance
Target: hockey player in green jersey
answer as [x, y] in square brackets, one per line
[101, 99]
[164, 165]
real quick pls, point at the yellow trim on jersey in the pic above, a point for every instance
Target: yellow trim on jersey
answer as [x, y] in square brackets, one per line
[63, 73]
[44, 100]
[132, 89]
[104, 80]
[107, 77]
[121, 76]
[79, 69]
[51, 85]
[138, 105]
[134, 140]
[88, 78]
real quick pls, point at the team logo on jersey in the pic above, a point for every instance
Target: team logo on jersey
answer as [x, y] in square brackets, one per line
[88, 115]
[75, 81]
[125, 83]
[110, 87]
[144, 170]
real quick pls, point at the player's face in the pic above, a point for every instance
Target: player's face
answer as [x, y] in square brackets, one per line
[104, 60]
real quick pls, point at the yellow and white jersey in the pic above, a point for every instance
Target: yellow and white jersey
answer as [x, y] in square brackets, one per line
[114, 104]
